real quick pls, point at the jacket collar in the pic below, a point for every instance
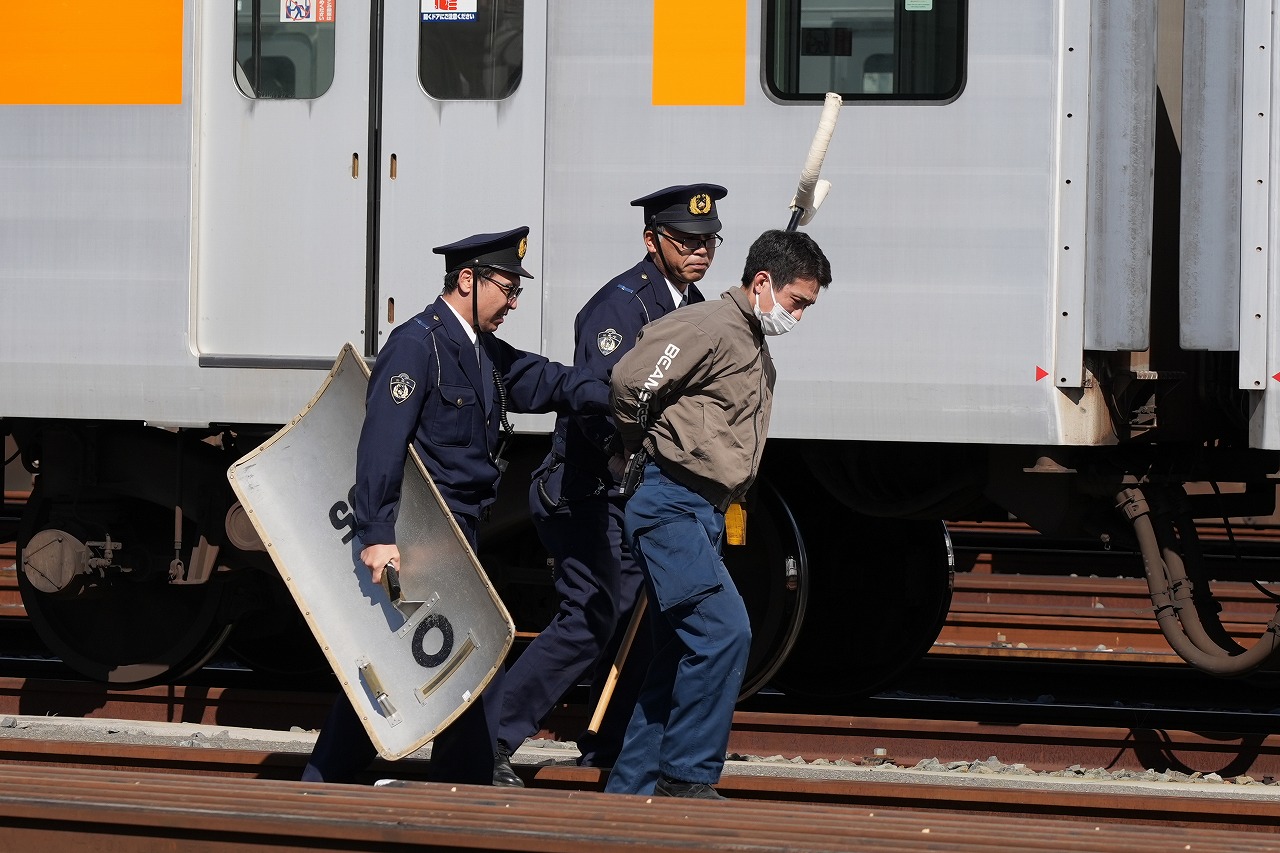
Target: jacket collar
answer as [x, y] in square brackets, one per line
[740, 299]
[452, 327]
[661, 290]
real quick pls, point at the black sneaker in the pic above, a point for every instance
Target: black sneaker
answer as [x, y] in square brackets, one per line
[689, 790]
[503, 775]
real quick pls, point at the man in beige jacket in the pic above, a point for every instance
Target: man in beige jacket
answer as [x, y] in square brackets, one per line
[694, 396]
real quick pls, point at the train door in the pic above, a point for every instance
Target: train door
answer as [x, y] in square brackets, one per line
[281, 134]
[463, 108]
[337, 144]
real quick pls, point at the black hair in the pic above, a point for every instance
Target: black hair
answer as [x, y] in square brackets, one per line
[786, 256]
[451, 279]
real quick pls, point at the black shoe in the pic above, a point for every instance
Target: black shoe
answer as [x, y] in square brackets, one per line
[503, 775]
[688, 790]
[599, 762]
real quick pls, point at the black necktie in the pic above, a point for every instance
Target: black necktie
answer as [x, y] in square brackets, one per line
[485, 366]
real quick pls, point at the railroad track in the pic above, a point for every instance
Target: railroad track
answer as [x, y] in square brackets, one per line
[75, 791]
[1093, 618]
[1034, 619]
[901, 730]
[56, 808]
[66, 793]
[60, 792]
[1022, 595]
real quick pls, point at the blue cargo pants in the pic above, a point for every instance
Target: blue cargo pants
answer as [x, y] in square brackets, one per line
[701, 637]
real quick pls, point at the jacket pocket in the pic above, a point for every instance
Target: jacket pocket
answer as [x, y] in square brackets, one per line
[715, 429]
[454, 417]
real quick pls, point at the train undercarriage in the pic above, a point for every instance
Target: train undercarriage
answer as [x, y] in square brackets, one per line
[137, 566]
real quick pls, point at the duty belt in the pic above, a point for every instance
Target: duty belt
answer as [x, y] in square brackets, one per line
[552, 505]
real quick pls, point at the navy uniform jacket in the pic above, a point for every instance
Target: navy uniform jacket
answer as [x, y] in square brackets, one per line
[605, 329]
[427, 388]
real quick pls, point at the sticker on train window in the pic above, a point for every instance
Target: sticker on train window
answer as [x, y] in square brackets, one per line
[306, 11]
[275, 57]
[448, 10]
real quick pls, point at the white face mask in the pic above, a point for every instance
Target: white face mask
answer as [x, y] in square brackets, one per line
[778, 321]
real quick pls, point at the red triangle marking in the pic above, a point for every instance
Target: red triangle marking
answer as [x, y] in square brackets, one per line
[1041, 373]
[1276, 377]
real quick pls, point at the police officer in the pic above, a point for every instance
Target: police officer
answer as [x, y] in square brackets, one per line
[444, 382]
[574, 498]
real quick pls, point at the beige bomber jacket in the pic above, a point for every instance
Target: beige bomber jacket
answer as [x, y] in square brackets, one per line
[697, 390]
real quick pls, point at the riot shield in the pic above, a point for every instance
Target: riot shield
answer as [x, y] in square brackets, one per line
[409, 666]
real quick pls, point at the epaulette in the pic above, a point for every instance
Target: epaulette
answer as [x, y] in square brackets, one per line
[430, 328]
[431, 324]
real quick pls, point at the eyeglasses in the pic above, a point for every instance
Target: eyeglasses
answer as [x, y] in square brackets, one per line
[693, 244]
[511, 291]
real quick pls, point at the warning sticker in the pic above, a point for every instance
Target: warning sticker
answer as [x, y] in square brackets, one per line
[307, 11]
[448, 10]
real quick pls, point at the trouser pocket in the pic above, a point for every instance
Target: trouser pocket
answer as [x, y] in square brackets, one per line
[681, 562]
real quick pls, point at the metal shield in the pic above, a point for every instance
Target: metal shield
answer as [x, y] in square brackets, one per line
[409, 668]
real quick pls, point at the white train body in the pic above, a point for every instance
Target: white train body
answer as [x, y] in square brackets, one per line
[147, 246]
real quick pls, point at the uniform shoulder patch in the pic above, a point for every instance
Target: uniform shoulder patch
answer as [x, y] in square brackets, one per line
[402, 387]
[608, 341]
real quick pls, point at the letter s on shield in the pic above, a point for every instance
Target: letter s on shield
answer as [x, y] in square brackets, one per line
[401, 387]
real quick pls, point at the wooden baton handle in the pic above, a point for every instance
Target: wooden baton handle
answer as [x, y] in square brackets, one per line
[602, 705]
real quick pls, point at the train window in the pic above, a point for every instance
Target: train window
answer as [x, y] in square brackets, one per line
[471, 50]
[871, 50]
[284, 48]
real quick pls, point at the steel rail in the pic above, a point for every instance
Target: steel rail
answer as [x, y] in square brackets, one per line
[64, 808]
[1035, 735]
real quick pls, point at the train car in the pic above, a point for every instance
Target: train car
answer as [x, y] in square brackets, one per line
[1050, 228]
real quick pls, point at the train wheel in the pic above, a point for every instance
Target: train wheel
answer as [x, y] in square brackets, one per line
[121, 630]
[130, 634]
[770, 572]
[879, 592]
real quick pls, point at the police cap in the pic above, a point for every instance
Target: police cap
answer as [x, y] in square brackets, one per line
[502, 251]
[690, 208]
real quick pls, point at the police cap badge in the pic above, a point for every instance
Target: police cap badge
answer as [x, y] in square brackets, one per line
[504, 251]
[690, 208]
